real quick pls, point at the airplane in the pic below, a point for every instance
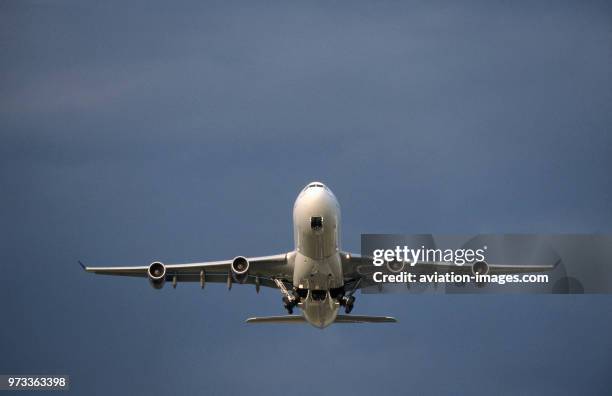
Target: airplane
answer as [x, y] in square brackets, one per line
[317, 276]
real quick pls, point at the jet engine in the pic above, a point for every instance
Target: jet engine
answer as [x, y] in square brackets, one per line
[481, 267]
[157, 274]
[240, 269]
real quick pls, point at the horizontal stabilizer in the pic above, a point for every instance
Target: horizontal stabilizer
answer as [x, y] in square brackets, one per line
[364, 319]
[339, 319]
[277, 319]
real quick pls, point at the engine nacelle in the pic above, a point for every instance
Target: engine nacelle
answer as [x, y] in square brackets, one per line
[157, 274]
[480, 267]
[240, 269]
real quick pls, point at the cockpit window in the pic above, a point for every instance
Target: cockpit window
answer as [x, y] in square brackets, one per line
[316, 223]
[315, 184]
[318, 295]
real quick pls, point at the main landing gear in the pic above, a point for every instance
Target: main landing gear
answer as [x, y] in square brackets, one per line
[348, 303]
[289, 300]
[289, 304]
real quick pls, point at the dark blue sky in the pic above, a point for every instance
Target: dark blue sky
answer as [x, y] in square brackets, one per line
[133, 132]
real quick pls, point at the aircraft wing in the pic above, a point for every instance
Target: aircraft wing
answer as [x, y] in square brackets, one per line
[262, 270]
[356, 266]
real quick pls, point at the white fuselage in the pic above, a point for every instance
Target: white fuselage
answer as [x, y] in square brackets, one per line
[317, 266]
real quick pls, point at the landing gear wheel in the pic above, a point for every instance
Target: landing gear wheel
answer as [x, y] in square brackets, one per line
[348, 306]
[289, 305]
